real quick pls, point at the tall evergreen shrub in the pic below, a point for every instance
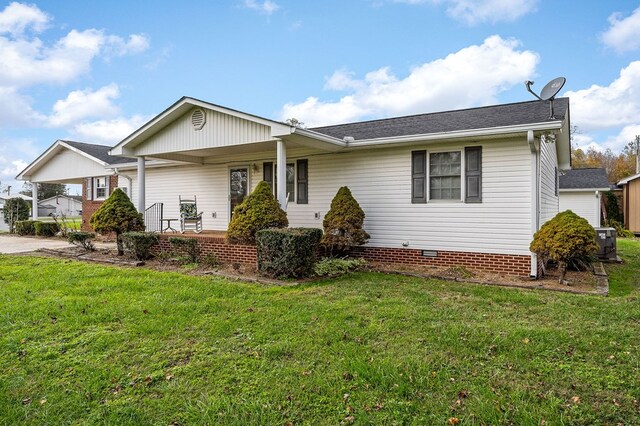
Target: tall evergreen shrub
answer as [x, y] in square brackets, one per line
[344, 223]
[118, 215]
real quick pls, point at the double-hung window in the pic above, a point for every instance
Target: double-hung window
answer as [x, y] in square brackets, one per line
[439, 176]
[100, 188]
[294, 186]
[445, 175]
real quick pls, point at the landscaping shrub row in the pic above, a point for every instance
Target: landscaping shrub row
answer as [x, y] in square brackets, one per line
[35, 227]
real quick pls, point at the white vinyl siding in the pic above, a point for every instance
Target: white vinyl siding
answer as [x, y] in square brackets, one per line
[380, 179]
[67, 166]
[220, 130]
[548, 182]
[583, 203]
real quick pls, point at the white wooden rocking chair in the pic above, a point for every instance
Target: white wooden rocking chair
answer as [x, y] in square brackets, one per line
[190, 218]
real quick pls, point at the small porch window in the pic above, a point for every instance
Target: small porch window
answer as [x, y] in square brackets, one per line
[270, 175]
[100, 188]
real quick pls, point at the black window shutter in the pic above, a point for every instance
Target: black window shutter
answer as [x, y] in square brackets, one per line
[419, 176]
[267, 173]
[89, 184]
[473, 174]
[302, 181]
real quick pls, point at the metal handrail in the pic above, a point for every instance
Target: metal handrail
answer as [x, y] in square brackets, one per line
[153, 217]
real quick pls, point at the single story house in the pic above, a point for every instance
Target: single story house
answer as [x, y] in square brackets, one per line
[68, 205]
[465, 187]
[631, 202]
[581, 192]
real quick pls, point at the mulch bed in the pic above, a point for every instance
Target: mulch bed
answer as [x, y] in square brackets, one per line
[581, 282]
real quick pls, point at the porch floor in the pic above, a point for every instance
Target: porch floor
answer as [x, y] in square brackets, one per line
[204, 234]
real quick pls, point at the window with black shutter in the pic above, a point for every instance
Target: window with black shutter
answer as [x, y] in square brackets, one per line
[302, 181]
[473, 174]
[419, 176]
[267, 173]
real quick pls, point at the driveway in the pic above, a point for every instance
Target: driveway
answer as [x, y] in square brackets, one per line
[17, 244]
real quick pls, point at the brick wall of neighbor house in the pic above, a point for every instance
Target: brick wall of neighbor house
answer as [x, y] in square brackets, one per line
[89, 207]
[497, 263]
[228, 253]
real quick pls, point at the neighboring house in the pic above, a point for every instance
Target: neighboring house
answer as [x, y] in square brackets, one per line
[3, 198]
[68, 205]
[581, 192]
[466, 187]
[631, 202]
[71, 162]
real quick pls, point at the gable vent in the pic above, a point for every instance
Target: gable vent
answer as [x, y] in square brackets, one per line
[198, 119]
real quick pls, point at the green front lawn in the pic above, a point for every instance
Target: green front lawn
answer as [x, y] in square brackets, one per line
[87, 344]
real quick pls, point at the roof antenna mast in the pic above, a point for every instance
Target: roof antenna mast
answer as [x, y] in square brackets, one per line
[549, 92]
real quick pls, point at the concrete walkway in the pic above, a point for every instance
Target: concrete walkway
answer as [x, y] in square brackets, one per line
[16, 244]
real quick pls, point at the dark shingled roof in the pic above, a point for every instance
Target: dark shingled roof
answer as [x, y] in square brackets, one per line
[449, 121]
[584, 179]
[101, 152]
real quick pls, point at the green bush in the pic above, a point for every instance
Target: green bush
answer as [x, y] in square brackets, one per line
[188, 248]
[82, 239]
[566, 238]
[117, 214]
[46, 229]
[210, 260]
[621, 231]
[14, 210]
[288, 252]
[343, 223]
[26, 227]
[337, 266]
[612, 207]
[140, 243]
[260, 210]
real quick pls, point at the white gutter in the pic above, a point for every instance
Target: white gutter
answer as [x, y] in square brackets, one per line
[583, 189]
[489, 131]
[319, 136]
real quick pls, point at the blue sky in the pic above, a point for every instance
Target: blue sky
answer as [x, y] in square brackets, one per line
[94, 71]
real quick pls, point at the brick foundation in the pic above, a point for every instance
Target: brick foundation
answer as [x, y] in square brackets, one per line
[497, 263]
[227, 253]
[89, 207]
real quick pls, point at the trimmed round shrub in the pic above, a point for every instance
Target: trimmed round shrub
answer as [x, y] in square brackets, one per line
[46, 229]
[344, 223]
[26, 227]
[140, 243]
[566, 238]
[259, 210]
[118, 215]
[288, 252]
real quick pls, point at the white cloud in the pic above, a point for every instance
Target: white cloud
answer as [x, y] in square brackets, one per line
[615, 142]
[473, 12]
[16, 110]
[617, 104]
[108, 131]
[82, 104]
[16, 18]
[472, 76]
[624, 33]
[266, 7]
[30, 62]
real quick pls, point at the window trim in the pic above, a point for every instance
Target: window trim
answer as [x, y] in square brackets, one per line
[95, 187]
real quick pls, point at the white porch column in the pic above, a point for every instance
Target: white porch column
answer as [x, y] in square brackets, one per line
[281, 174]
[34, 202]
[141, 185]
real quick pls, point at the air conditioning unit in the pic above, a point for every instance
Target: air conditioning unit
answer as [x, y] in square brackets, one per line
[606, 239]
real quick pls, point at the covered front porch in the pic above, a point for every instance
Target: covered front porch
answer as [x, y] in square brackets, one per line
[214, 156]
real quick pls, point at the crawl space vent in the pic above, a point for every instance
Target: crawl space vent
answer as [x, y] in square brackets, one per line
[198, 119]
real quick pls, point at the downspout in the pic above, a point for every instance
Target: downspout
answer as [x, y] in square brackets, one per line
[535, 197]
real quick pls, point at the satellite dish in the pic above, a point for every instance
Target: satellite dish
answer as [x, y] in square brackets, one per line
[552, 88]
[549, 91]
